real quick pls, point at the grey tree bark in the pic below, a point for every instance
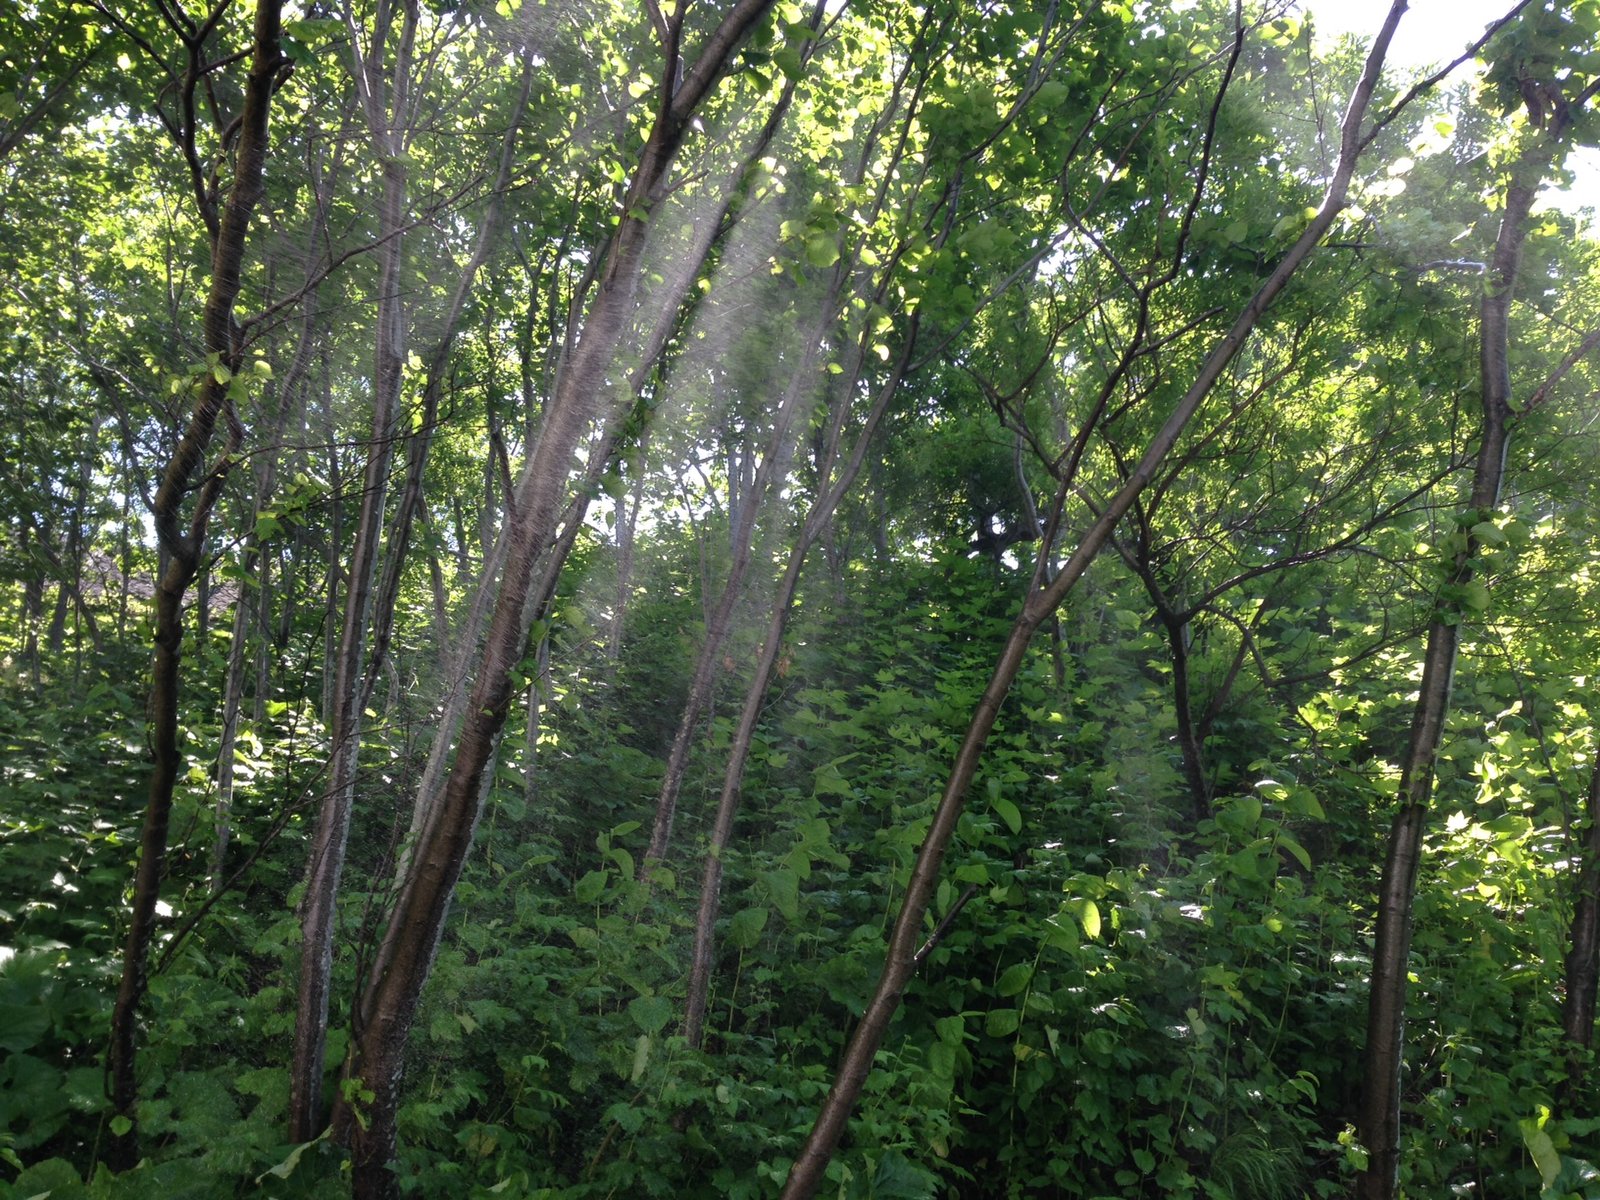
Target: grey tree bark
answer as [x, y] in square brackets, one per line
[583, 394]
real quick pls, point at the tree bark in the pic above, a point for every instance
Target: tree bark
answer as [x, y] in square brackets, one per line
[182, 552]
[1383, 1059]
[247, 619]
[1583, 956]
[385, 109]
[582, 394]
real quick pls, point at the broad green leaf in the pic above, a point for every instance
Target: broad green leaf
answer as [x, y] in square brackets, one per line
[1061, 932]
[1088, 914]
[1002, 1022]
[283, 1170]
[650, 1013]
[822, 250]
[744, 929]
[1287, 842]
[1008, 813]
[1014, 979]
[783, 886]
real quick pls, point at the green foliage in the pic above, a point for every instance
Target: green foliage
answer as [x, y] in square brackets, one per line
[1126, 989]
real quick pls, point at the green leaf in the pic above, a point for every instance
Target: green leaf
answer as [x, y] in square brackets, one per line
[1061, 933]
[1542, 1150]
[590, 887]
[1301, 803]
[1007, 812]
[285, 1168]
[1294, 848]
[641, 1057]
[1088, 914]
[789, 62]
[650, 1013]
[783, 886]
[821, 250]
[744, 930]
[1489, 534]
[1002, 1022]
[1016, 978]
[1239, 815]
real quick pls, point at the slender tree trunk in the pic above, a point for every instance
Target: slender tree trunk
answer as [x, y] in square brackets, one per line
[183, 548]
[763, 482]
[32, 609]
[538, 689]
[811, 1162]
[627, 523]
[247, 620]
[124, 557]
[1384, 1057]
[441, 594]
[232, 700]
[1190, 747]
[582, 394]
[1583, 957]
[817, 521]
[386, 116]
[1176, 626]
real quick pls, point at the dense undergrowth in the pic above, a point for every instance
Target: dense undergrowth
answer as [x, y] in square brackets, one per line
[1119, 1002]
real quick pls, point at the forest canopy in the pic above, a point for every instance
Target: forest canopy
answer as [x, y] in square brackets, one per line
[756, 598]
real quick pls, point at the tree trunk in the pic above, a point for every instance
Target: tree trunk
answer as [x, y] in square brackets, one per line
[1583, 957]
[764, 481]
[385, 111]
[182, 550]
[817, 521]
[247, 617]
[811, 1162]
[1384, 1057]
[582, 394]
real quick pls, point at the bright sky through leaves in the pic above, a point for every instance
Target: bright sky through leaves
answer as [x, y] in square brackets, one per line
[1431, 33]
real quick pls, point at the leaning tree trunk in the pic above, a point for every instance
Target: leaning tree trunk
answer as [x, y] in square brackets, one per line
[797, 397]
[811, 1162]
[582, 395]
[702, 958]
[386, 109]
[1378, 1121]
[370, 601]
[183, 548]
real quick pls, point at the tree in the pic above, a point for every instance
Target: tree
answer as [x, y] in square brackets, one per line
[806, 1175]
[1549, 115]
[580, 396]
[182, 542]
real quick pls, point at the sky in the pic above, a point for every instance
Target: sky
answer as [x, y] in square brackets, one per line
[1431, 33]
